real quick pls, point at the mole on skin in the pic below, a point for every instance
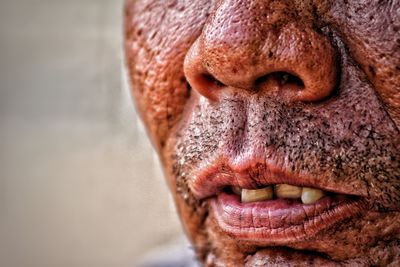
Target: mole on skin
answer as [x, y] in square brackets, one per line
[277, 124]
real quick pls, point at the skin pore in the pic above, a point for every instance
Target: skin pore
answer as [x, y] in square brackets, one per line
[252, 92]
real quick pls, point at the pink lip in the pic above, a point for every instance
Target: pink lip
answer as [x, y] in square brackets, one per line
[276, 221]
[279, 221]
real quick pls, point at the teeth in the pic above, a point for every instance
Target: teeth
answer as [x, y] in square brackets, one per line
[237, 190]
[308, 195]
[248, 195]
[311, 195]
[287, 191]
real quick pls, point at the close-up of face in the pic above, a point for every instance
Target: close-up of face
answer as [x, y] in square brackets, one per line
[277, 125]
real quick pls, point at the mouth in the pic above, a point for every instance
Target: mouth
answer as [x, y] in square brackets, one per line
[271, 207]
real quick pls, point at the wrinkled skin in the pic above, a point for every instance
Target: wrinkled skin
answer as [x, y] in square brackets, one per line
[206, 77]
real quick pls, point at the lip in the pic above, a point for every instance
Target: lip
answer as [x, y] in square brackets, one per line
[271, 222]
[253, 174]
[279, 221]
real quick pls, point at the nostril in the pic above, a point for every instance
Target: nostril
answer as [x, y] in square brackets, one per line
[209, 83]
[206, 85]
[285, 78]
[210, 80]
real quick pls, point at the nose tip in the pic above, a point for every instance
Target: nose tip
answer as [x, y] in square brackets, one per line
[293, 60]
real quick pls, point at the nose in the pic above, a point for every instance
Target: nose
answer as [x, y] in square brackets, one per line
[261, 46]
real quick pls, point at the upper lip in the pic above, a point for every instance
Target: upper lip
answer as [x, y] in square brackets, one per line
[252, 174]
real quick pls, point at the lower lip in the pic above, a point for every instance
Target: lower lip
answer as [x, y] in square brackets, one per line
[279, 221]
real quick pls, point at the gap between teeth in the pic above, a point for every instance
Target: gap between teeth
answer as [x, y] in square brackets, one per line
[306, 194]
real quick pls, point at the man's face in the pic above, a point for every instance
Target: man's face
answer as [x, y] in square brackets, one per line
[277, 123]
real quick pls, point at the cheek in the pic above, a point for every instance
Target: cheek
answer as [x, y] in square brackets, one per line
[371, 31]
[158, 35]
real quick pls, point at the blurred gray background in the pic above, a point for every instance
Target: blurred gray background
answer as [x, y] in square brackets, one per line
[79, 183]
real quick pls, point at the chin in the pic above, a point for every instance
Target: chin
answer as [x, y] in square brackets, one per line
[362, 238]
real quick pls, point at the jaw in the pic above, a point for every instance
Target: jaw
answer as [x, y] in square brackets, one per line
[370, 238]
[366, 238]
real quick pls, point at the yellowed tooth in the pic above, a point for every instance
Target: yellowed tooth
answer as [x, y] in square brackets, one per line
[265, 193]
[287, 191]
[311, 195]
[237, 190]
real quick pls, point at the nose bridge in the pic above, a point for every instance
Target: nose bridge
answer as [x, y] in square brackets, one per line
[244, 41]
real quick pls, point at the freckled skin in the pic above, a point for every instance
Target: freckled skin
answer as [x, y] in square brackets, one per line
[340, 126]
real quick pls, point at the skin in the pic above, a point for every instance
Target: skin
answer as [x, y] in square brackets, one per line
[207, 78]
